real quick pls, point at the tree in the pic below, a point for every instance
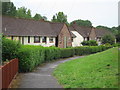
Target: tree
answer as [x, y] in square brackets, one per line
[28, 14]
[118, 35]
[108, 39]
[22, 12]
[8, 8]
[80, 22]
[60, 17]
[37, 16]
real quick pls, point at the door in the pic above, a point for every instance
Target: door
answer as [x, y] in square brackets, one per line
[65, 42]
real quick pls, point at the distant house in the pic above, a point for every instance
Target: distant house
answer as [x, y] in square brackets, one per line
[32, 32]
[86, 33]
[81, 33]
[100, 33]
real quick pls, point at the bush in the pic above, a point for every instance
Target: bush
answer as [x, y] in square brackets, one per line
[52, 53]
[90, 43]
[67, 52]
[30, 57]
[108, 39]
[9, 49]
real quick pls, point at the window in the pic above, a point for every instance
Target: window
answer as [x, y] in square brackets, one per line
[51, 39]
[43, 39]
[28, 39]
[36, 39]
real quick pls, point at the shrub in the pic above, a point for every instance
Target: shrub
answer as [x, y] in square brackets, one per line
[67, 52]
[30, 56]
[108, 39]
[93, 43]
[9, 49]
[52, 53]
[89, 43]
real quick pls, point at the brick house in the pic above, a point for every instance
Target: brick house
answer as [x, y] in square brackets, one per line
[32, 32]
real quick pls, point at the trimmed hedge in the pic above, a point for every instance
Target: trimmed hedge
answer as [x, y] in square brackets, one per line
[31, 56]
[67, 52]
[9, 49]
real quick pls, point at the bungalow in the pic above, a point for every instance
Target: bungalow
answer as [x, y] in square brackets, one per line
[32, 32]
[86, 34]
[100, 33]
[81, 33]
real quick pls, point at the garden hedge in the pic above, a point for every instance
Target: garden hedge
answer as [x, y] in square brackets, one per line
[31, 56]
[9, 49]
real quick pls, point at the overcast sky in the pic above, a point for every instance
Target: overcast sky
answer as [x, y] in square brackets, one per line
[99, 12]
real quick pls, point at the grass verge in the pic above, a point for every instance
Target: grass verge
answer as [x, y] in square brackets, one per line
[98, 70]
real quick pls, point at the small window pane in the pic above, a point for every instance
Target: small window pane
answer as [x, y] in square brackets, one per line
[43, 39]
[36, 39]
[51, 39]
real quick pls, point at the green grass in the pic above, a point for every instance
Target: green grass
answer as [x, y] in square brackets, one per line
[98, 70]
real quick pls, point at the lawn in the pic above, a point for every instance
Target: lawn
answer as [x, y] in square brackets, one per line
[98, 70]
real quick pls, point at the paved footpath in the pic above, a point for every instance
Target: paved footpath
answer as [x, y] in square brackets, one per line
[42, 76]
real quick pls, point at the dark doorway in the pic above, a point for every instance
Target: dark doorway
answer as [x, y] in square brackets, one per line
[56, 42]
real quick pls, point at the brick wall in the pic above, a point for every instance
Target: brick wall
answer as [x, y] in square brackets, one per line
[64, 38]
[92, 34]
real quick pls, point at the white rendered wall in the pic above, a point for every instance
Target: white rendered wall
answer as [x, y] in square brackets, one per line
[77, 40]
[47, 44]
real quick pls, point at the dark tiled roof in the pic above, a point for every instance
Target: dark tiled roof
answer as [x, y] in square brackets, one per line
[26, 27]
[102, 32]
[71, 29]
[84, 31]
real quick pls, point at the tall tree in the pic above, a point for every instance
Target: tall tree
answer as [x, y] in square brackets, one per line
[29, 14]
[22, 12]
[37, 16]
[8, 8]
[80, 22]
[60, 17]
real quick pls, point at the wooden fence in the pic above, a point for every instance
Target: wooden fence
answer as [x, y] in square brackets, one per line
[8, 72]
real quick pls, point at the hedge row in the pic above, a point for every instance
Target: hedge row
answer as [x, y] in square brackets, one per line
[31, 56]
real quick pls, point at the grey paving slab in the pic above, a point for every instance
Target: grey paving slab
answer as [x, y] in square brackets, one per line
[42, 77]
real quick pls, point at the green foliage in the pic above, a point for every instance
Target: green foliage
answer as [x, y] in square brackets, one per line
[52, 53]
[9, 49]
[60, 17]
[29, 57]
[8, 8]
[37, 16]
[94, 71]
[108, 39]
[118, 35]
[22, 12]
[85, 50]
[114, 30]
[89, 43]
[80, 22]
[67, 52]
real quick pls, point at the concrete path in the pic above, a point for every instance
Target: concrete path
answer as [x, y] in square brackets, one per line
[42, 76]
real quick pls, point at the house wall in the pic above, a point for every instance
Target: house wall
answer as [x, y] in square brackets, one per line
[64, 38]
[47, 44]
[77, 40]
[92, 35]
